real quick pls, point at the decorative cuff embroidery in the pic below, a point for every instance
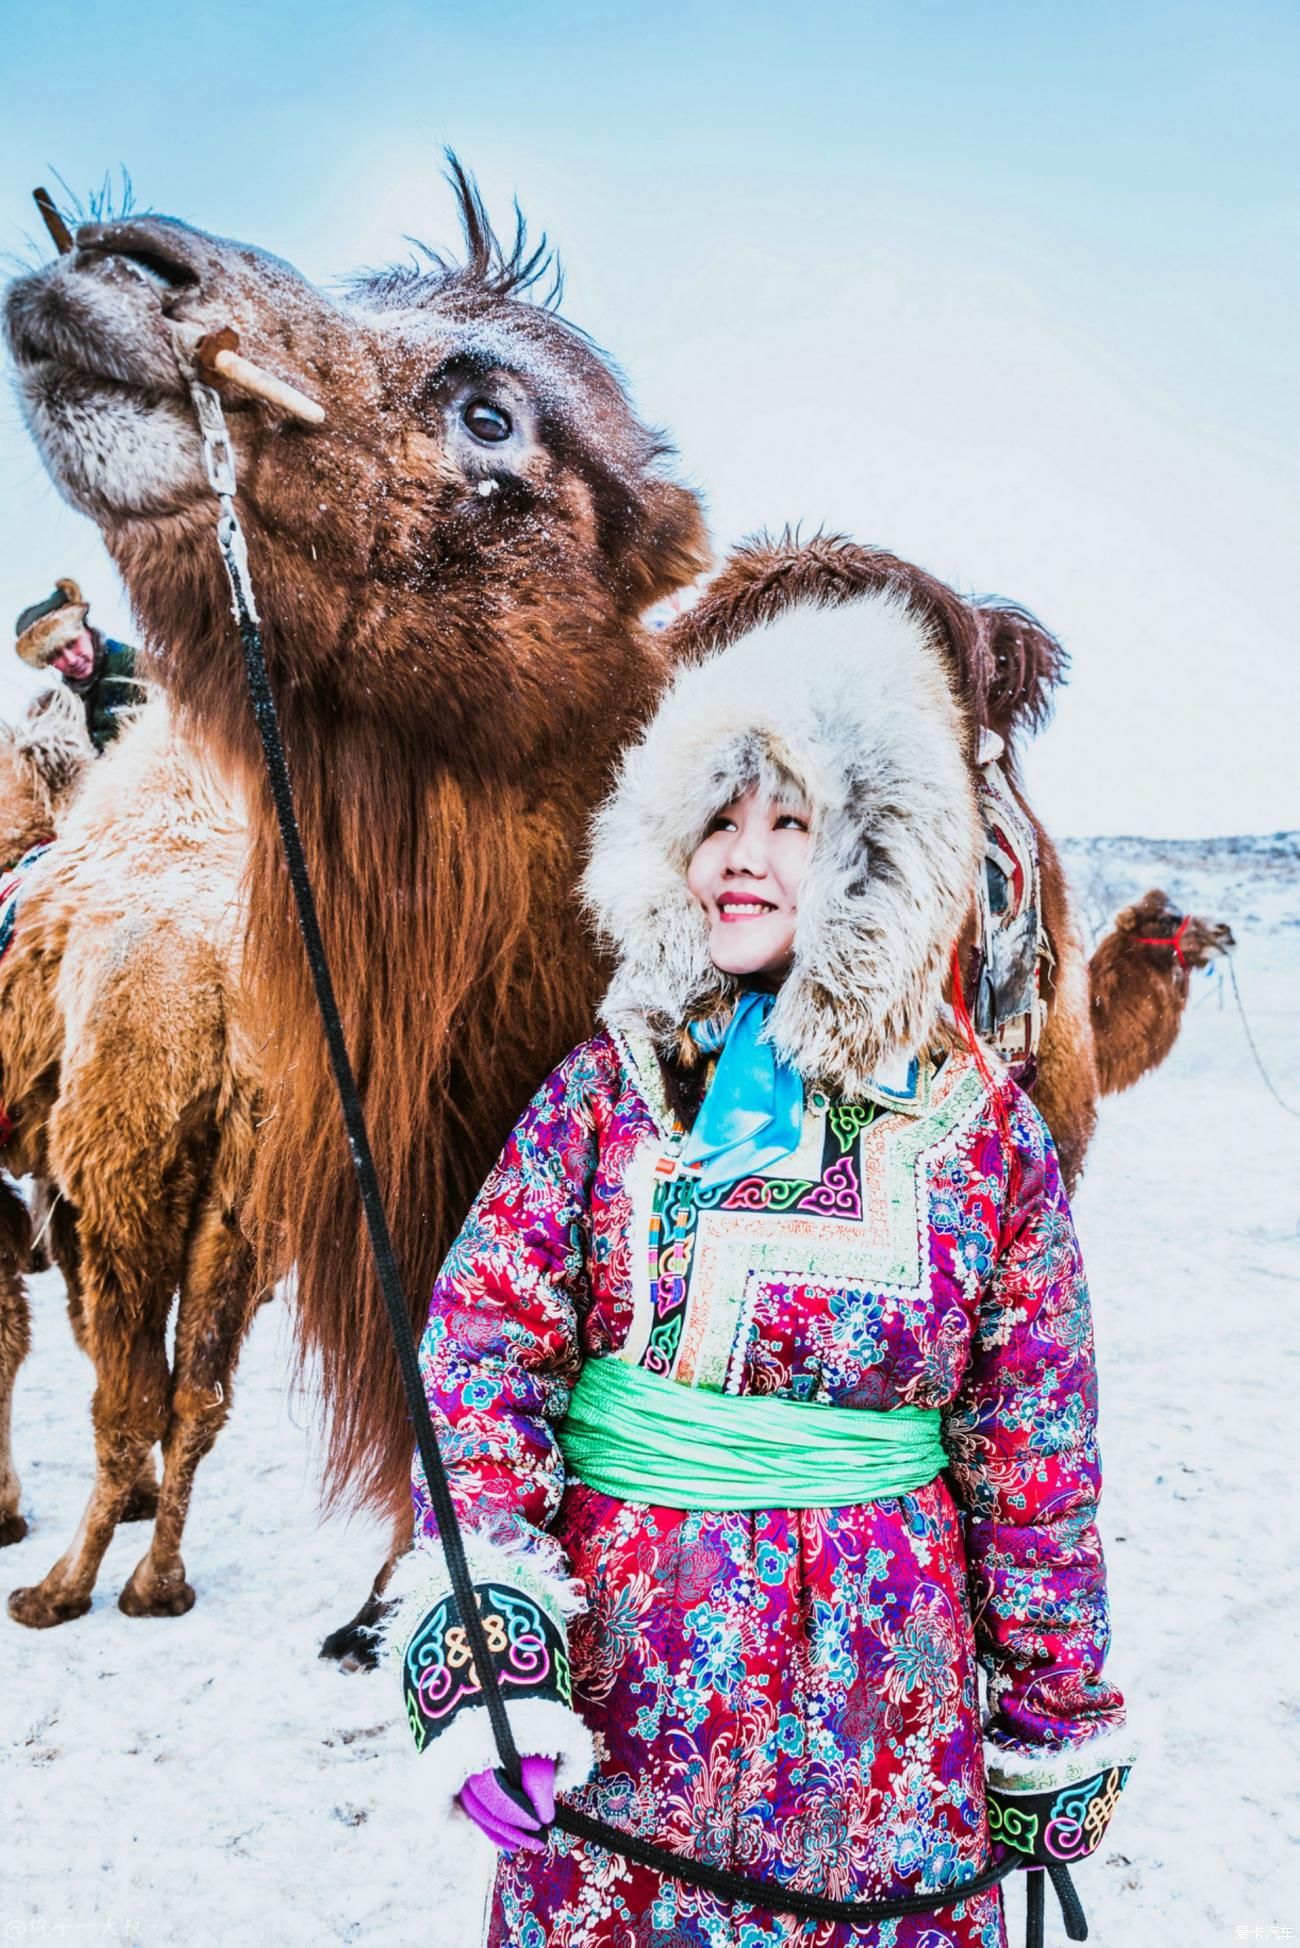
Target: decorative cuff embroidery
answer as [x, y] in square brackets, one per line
[1056, 1823]
[529, 1650]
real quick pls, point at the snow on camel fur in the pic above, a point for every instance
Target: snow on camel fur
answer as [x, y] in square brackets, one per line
[852, 708]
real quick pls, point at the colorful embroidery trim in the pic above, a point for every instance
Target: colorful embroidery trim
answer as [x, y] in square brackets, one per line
[528, 1649]
[678, 1200]
[1057, 1824]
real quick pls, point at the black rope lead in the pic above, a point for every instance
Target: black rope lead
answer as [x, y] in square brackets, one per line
[769, 1897]
[1076, 1927]
[363, 1163]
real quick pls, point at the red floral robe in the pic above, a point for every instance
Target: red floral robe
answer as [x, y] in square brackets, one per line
[791, 1693]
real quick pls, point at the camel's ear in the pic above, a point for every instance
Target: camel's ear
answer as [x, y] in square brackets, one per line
[1127, 920]
[672, 544]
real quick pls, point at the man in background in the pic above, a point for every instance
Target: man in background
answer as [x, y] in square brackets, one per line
[54, 634]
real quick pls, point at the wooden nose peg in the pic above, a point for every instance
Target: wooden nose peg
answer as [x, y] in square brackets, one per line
[218, 351]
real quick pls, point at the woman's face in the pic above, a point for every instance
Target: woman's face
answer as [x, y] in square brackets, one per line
[745, 873]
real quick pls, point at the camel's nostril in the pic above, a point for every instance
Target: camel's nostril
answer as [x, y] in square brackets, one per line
[164, 272]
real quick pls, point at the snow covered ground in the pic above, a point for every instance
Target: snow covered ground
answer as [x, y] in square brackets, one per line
[206, 1780]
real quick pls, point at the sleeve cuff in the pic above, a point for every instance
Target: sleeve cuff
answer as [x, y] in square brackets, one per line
[529, 1649]
[1042, 1770]
[1056, 1806]
[524, 1604]
[541, 1726]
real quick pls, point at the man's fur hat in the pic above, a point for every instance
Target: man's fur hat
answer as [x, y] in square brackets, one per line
[843, 697]
[49, 626]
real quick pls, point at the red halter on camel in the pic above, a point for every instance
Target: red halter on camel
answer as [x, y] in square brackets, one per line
[1174, 940]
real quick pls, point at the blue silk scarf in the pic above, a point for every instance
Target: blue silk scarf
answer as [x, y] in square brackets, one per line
[752, 1113]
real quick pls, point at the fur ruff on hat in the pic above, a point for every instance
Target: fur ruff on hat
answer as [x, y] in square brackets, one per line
[49, 626]
[850, 707]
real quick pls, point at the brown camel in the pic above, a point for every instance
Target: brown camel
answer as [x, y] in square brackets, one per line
[451, 574]
[129, 1080]
[42, 762]
[1140, 977]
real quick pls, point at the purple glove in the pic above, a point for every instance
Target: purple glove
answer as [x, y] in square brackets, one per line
[506, 1823]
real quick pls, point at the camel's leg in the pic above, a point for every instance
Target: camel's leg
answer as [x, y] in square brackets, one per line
[126, 1328]
[351, 1646]
[60, 1225]
[131, 1238]
[132, 1141]
[15, 1344]
[218, 1299]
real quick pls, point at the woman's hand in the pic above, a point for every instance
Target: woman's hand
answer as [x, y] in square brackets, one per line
[492, 1807]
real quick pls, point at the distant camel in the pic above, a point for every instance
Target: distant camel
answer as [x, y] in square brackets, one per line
[43, 759]
[1139, 979]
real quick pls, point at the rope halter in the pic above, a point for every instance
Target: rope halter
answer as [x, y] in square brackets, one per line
[1174, 940]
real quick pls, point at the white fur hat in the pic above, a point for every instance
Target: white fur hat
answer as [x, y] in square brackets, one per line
[851, 707]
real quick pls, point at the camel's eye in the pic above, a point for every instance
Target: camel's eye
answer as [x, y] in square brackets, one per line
[487, 422]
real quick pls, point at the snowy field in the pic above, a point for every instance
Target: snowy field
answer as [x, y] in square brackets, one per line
[206, 1780]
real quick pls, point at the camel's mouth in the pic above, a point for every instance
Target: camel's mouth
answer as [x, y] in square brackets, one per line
[91, 336]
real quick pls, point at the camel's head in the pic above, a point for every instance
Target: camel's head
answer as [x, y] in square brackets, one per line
[43, 759]
[481, 510]
[1154, 923]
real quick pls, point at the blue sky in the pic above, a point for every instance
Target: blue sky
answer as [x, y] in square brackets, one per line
[1011, 289]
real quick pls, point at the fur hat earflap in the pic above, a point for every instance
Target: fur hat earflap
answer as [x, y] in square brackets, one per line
[850, 707]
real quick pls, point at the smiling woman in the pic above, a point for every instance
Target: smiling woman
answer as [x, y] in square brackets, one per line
[762, 1365]
[745, 873]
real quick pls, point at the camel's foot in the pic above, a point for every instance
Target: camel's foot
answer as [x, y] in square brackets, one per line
[141, 1503]
[41, 1607]
[351, 1647]
[150, 1595]
[13, 1528]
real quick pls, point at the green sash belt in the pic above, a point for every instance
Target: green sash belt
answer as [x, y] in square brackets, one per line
[643, 1438]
